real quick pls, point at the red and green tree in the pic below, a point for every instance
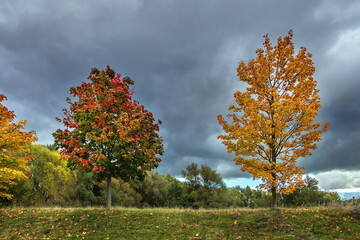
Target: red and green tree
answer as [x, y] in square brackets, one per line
[14, 150]
[107, 132]
[273, 123]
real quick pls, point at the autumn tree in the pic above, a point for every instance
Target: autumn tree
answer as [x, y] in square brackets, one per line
[273, 123]
[107, 132]
[14, 149]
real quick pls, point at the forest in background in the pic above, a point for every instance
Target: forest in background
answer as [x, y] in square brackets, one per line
[52, 183]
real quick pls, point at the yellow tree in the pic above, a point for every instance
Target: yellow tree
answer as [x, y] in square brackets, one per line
[273, 123]
[14, 149]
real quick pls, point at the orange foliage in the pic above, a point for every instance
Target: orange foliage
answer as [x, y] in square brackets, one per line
[273, 122]
[14, 149]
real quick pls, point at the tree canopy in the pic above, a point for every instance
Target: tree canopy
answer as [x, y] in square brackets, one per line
[108, 132]
[14, 149]
[273, 121]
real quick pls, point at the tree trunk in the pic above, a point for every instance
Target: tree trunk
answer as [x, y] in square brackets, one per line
[274, 186]
[108, 193]
[274, 200]
[273, 157]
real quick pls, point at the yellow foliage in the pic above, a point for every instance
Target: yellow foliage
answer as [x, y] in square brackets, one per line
[14, 149]
[273, 123]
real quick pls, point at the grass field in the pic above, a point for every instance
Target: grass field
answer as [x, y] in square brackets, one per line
[123, 223]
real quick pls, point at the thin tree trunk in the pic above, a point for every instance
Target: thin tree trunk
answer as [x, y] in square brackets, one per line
[273, 157]
[274, 200]
[273, 188]
[274, 176]
[108, 193]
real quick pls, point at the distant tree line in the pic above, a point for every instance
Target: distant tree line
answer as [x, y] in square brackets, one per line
[52, 183]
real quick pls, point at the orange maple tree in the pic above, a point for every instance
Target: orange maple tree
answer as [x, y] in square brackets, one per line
[273, 124]
[107, 132]
[14, 150]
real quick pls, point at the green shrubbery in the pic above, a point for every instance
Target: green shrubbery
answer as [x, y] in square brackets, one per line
[51, 183]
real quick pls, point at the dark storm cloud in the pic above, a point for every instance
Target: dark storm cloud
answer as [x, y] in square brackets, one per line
[340, 147]
[183, 57]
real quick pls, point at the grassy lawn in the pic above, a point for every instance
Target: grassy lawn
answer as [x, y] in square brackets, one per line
[123, 223]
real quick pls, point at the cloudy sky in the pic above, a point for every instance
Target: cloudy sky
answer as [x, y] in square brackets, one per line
[183, 56]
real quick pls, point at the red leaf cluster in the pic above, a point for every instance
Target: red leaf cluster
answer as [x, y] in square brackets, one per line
[106, 130]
